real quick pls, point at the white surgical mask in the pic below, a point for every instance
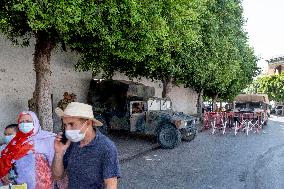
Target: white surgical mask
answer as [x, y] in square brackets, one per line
[8, 138]
[26, 127]
[75, 135]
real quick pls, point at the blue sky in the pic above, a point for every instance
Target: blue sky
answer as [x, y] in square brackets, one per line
[265, 27]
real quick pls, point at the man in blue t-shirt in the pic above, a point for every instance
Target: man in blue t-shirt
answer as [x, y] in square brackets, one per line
[91, 160]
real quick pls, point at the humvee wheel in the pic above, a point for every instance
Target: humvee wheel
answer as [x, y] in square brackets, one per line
[188, 134]
[169, 136]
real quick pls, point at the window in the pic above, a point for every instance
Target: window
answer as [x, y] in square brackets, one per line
[137, 107]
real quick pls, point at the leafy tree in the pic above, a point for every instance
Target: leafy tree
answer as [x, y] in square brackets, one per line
[72, 23]
[244, 77]
[223, 64]
[187, 42]
[273, 86]
[197, 43]
[21, 20]
[164, 30]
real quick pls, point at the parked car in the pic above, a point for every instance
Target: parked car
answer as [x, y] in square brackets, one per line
[279, 110]
[207, 108]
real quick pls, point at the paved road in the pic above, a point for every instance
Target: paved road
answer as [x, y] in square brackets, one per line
[213, 162]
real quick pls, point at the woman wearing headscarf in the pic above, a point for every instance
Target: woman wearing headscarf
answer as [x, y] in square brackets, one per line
[31, 152]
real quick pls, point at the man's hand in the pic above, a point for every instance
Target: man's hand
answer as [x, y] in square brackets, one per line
[57, 163]
[59, 147]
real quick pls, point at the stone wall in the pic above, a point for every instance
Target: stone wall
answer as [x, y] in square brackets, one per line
[17, 79]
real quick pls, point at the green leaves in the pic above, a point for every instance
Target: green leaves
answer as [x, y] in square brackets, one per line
[272, 85]
[223, 64]
[199, 43]
[142, 38]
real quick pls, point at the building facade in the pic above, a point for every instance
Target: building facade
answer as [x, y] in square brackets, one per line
[275, 65]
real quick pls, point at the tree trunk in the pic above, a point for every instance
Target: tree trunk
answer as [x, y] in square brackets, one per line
[214, 102]
[42, 95]
[199, 104]
[167, 87]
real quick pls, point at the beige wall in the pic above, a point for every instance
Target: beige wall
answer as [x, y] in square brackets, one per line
[17, 81]
[183, 99]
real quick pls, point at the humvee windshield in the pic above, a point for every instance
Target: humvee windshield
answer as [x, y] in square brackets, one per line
[137, 107]
[159, 104]
[240, 105]
[248, 105]
[253, 105]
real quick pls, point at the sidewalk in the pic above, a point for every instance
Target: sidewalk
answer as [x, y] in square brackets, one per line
[130, 146]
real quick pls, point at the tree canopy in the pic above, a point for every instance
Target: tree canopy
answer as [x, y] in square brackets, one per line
[223, 63]
[198, 43]
[163, 33]
[73, 24]
[50, 23]
[272, 85]
[201, 44]
[229, 63]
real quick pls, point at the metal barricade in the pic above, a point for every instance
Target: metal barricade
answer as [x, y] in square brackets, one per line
[238, 121]
[242, 122]
[216, 121]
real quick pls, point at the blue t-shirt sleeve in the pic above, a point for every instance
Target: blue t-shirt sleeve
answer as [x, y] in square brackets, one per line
[111, 165]
[66, 156]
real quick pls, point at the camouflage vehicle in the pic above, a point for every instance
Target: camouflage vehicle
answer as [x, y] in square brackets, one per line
[124, 105]
[256, 103]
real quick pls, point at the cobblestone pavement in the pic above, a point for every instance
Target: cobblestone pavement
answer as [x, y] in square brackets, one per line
[212, 161]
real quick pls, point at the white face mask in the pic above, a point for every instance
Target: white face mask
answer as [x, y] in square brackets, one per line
[75, 135]
[26, 127]
[8, 138]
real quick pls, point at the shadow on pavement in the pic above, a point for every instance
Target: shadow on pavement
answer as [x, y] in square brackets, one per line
[131, 145]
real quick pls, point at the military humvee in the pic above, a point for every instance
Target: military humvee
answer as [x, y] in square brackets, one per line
[130, 106]
[256, 103]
